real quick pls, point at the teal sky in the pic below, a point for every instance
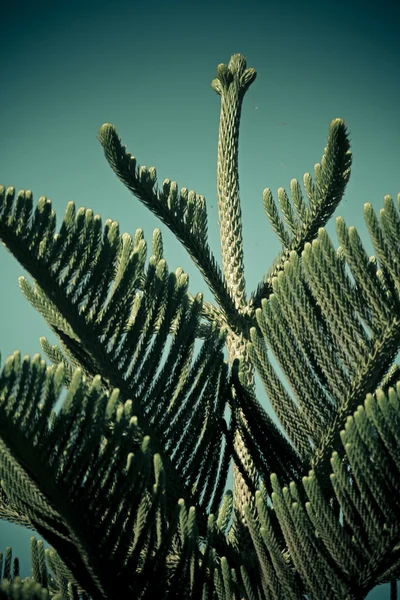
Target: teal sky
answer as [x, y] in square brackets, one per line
[68, 67]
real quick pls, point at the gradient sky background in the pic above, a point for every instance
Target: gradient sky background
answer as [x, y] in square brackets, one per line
[68, 67]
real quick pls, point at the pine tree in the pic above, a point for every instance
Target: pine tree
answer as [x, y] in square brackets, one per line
[127, 480]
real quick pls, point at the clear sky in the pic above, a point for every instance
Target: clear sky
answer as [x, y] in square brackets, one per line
[68, 67]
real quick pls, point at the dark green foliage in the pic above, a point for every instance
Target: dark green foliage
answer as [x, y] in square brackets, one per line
[127, 480]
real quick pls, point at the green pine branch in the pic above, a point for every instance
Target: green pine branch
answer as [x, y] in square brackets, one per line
[127, 481]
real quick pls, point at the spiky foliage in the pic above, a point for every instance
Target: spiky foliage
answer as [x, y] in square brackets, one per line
[127, 479]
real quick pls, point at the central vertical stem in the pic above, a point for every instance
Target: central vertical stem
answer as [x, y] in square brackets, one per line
[231, 84]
